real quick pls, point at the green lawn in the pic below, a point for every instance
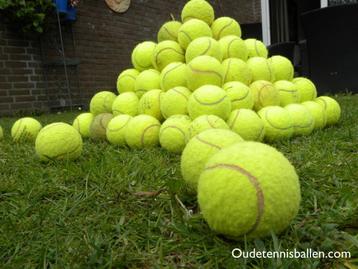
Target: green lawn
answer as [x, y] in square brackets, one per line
[121, 208]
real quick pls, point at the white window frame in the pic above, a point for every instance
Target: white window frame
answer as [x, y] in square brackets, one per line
[265, 24]
[324, 3]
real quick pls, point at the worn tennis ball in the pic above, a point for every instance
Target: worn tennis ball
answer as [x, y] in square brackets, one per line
[116, 129]
[174, 102]
[261, 69]
[169, 31]
[249, 190]
[256, 48]
[265, 94]
[82, 124]
[146, 81]
[192, 29]
[58, 141]
[142, 131]
[288, 92]
[173, 75]
[205, 122]
[233, 47]
[203, 46]
[142, 55]
[318, 112]
[126, 80]
[204, 70]
[331, 107]
[282, 67]
[102, 102]
[174, 133]
[99, 125]
[225, 26]
[302, 119]
[199, 150]
[126, 103]
[198, 9]
[239, 94]
[149, 104]
[167, 52]
[1, 133]
[247, 124]
[25, 129]
[278, 123]
[306, 88]
[236, 70]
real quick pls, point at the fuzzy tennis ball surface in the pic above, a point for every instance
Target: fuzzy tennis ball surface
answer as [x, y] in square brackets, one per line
[256, 48]
[288, 92]
[239, 94]
[146, 81]
[25, 129]
[99, 125]
[233, 47]
[126, 80]
[318, 113]
[142, 132]
[302, 119]
[191, 30]
[142, 55]
[199, 150]
[58, 141]
[282, 67]
[174, 133]
[167, 52]
[169, 31]
[102, 102]
[126, 103]
[331, 107]
[116, 129]
[203, 46]
[265, 94]
[238, 196]
[174, 102]
[198, 9]
[173, 75]
[205, 122]
[149, 104]
[204, 70]
[306, 88]
[236, 70]
[82, 124]
[261, 69]
[225, 26]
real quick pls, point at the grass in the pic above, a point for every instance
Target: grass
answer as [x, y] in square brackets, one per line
[104, 210]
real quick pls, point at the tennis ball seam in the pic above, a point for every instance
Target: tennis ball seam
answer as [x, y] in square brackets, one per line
[120, 128]
[174, 127]
[209, 104]
[234, 120]
[164, 49]
[209, 122]
[269, 122]
[166, 74]
[127, 75]
[259, 92]
[52, 158]
[178, 92]
[208, 48]
[229, 47]
[186, 34]
[144, 131]
[17, 129]
[224, 27]
[289, 91]
[207, 143]
[169, 33]
[138, 63]
[206, 71]
[227, 70]
[256, 49]
[241, 98]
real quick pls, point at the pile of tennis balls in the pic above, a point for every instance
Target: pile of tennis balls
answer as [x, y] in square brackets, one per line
[204, 92]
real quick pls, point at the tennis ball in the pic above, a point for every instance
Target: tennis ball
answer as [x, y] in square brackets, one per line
[233, 47]
[198, 9]
[282, 68]
[199, 150]
[256, 48]
[249, 190]
[236, 70]
[1, 133]
[288, 92]
[192, 29]
[203, 46]
[174, 102]
[102, 102]
[116, 129]
[209, 100]
[306, 88]
[146, 81]
[205, 122]
[126, 80]
[265, 94]
[302, 119]
[167, 52]
[239, 94]
[169, 31]
[149, 104]
[204, 70]
[247, 124]
[99, 125]
[261, 69]
[331, 107]
[174, 133]
[277, 121]
[142, 132]
[25, 129]
[225, 26]
[173, 75]
[318, 113]
[82, 124]
[126, 103]
[58, 141]
[142, 55]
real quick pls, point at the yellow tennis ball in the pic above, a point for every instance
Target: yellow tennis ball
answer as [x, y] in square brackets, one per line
[282, 68]
[318, 113]
[58, 141]
[142, 131]
[142, 55]
[302, 119]
[82, 124]
[192, 29]
[167, 52]
[99, 125]
[174, 102]
[173, 75]
[203, 46]
[331, 107]
[256, 48]
[1, 133]
[261, 69]
[277, 121]
[288, 92]
[198, 9]
[204, 70]
[236, 70]
[225, 26]
[239, 94]
[199, 150]
[146, 81]
[233, 47]
[126, 103]
[306, 88]
[25, 129]
[169, 31]
[149, 104]
[205, 122]
[116, 129]
[174, 133]
[265, 94]
[126, 80]
[102, 102]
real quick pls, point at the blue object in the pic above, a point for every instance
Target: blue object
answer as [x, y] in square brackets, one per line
[71, 14]
[61, 5]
